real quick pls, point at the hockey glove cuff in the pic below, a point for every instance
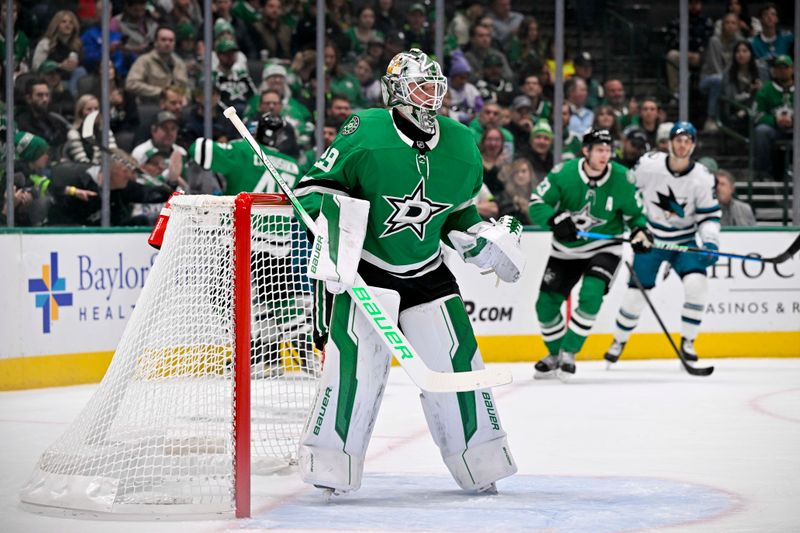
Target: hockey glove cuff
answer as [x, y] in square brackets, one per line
[641, 240]
[708, 259]
[563, 227]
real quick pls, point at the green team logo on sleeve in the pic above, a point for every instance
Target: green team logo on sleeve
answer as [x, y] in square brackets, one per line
[351, 126]
[412, 211]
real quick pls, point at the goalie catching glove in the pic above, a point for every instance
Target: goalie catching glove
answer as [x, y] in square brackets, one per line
[341, 228]
[493, 245]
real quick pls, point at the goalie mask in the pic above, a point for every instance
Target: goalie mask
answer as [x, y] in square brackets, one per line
[415, 85]
[267, 130]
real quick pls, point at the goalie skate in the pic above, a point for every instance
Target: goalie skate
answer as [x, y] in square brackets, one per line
[490, 489]
[328, 492]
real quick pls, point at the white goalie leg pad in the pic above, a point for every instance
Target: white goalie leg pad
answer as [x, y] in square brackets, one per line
[465, 426]
[482, 465]
[341, 228]
[336, 435]
[695, 290]
[494, 246]
[628, 315]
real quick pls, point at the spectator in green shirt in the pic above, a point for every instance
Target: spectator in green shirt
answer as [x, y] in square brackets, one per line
[774, 113]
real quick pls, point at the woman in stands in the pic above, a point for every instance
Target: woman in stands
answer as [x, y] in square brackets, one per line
[740, 83]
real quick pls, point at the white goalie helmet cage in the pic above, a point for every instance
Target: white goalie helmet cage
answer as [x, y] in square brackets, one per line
[414, 72]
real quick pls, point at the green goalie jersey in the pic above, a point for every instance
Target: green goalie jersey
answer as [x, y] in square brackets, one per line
[242, 168]
[416, 195]
[605, 206]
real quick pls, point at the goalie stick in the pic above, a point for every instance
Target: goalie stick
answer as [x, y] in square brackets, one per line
[693, 370]
[661, 245]
[400, 348]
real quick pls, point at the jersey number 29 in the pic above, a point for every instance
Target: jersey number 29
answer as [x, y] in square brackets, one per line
[327, 159]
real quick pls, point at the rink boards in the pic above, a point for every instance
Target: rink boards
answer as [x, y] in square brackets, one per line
[67, 295]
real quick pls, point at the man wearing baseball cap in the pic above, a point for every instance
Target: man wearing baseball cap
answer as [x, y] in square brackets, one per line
[232, 78]
[163, 136]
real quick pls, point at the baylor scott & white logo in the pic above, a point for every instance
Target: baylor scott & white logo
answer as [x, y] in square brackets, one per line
[412, 211]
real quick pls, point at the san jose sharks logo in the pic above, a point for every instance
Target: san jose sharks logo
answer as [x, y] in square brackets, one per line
[584, 220]
[412, 211]
[670, 204]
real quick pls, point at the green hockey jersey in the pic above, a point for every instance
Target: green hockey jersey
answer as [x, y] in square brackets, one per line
[603, 206]
[415, 198]
[242, 168]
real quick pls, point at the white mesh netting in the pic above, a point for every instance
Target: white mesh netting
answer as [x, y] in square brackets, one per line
[157, 436]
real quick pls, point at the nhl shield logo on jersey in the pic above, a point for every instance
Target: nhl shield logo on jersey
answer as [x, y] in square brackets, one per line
[351, 126]
[412, 212]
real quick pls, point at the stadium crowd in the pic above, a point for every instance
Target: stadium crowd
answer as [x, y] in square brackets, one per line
[499, 65]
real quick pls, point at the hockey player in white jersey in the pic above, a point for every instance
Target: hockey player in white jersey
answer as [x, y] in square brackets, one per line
[682, 208]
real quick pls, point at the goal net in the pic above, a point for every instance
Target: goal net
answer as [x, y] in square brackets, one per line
[212, 379]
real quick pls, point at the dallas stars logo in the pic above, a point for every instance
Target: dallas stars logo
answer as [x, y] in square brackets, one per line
[584, 220]
[412, 211]
[670, 204]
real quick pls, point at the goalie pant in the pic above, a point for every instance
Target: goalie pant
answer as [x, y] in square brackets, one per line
[465, 426]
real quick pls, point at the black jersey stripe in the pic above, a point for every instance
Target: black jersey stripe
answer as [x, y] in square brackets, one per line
[327, 184]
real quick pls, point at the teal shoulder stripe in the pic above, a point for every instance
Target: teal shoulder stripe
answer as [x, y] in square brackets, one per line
[711, 209]
[665, 228]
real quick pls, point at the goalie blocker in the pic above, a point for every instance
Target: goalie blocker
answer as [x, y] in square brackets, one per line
[341, 227]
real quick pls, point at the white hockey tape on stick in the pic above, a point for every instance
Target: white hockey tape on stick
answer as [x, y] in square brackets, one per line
[399, 346]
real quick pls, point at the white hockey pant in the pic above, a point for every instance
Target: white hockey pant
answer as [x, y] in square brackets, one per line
[465, 426]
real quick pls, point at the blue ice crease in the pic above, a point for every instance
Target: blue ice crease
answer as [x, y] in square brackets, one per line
[525, 503]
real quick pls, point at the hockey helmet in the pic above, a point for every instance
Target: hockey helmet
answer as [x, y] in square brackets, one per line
[596, 136]
[267, 130]
[414, 72]
[683, 128]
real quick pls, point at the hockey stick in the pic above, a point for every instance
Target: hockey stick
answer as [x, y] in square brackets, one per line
[661, 245]
[695, 371]
[88, 135]
[400, 348]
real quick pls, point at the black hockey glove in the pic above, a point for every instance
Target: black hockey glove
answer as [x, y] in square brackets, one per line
[641, 240]
[563, 227]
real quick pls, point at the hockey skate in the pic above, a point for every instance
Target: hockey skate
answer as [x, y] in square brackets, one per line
[546, 368]
[328, 492]
[613, 353]
[490, 489]
[566, 366]
[688, 351]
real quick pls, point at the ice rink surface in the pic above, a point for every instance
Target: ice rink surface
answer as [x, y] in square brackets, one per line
[643, 447]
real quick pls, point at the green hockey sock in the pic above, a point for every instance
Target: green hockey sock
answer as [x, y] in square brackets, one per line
[551, 322]
[580, 324]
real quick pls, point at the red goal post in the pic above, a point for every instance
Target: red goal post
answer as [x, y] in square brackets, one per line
[212, 379]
